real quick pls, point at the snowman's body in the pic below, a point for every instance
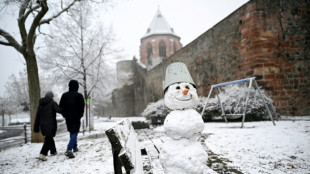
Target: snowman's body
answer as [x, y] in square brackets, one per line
[182, 153]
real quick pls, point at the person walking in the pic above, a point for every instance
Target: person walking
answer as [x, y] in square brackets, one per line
[46, 121]
[72, 102]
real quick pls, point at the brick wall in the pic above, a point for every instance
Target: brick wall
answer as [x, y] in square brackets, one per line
[154, 40]
[268, 39]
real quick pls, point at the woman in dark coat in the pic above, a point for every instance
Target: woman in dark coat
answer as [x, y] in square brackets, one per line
[46, 121]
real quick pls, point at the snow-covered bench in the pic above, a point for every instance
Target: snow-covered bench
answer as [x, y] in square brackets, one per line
[127, 150]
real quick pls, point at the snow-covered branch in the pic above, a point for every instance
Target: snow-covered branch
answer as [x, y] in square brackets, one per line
[47, 21]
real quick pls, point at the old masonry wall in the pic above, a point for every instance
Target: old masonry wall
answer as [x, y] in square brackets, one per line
[268, 39]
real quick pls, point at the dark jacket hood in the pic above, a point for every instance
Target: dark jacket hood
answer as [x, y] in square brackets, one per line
[73, 85]
[44, 101]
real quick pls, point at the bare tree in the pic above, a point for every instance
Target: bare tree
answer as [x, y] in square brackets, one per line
[16, 89]
[32, 13]
[15, 98]
[78, 47]
[2, 109]
[9, 107]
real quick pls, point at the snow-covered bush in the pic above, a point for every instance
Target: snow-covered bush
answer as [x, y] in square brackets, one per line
[233, 98]
[156, 112]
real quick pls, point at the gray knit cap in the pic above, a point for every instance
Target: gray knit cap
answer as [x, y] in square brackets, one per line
[49, 94]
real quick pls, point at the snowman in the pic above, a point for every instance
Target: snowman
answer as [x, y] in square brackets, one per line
[182, 153]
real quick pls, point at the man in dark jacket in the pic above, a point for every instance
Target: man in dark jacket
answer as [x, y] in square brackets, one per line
[46, 121]
[72, 103]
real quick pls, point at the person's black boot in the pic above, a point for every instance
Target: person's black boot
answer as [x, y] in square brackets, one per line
[69, 154]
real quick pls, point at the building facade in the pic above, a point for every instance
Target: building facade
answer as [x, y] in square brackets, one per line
[265, 39]
[159, 42]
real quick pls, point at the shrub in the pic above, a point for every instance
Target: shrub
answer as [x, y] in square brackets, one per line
[156, 112]
[233, 99]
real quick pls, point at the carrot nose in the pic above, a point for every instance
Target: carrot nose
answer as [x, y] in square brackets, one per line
[185, 91]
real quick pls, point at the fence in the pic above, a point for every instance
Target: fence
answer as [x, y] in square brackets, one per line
[17, 135]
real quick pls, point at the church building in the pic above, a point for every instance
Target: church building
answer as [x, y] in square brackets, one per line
[159, 42]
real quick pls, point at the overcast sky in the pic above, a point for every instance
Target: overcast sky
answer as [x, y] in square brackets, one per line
[130, 20]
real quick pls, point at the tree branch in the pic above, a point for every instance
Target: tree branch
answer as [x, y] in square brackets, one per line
[5, 43]
[30, 11]
[47, 21]
[21, 21]
[35, 24]
[71, 46]
[11, 41]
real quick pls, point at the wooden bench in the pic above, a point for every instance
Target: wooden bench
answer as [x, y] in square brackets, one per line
[136, 157]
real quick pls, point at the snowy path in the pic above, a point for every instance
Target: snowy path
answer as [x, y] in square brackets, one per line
[258, 148]
[95, 156]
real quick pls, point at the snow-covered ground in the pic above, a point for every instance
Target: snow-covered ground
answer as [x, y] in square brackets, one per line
[259, 147]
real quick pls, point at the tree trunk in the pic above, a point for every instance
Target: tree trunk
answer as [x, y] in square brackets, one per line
[86, 107]
[27, 48]
[2, 113]
[34, 94]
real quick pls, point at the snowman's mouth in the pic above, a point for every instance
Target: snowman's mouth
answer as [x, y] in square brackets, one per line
[183, 98]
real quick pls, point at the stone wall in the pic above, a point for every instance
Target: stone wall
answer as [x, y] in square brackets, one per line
[124, 73]
[123, 101]
[268, 39]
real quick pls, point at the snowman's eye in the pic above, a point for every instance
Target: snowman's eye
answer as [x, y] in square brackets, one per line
[178, 87]
[186, 87]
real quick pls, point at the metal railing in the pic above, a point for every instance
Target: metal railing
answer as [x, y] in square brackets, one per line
[23, 137]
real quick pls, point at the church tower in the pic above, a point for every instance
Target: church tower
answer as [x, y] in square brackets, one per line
[159, 42]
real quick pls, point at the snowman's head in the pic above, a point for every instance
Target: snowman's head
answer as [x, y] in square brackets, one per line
[181, 95]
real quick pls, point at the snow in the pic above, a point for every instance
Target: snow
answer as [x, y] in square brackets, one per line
[154, 107]
[94, 156]
[175, 99]
[259, 147]
[23, 117]
[233, 99]
[183, 156]
[182, 153]
[128, 138]
[183, 124]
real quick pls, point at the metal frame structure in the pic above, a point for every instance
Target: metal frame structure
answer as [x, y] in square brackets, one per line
[251, 80]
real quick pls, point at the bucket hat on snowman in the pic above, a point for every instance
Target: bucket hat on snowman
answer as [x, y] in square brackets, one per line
[175, 73]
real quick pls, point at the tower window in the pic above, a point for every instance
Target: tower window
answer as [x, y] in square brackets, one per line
[149, 53]
[174, 47]
[162, 49]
